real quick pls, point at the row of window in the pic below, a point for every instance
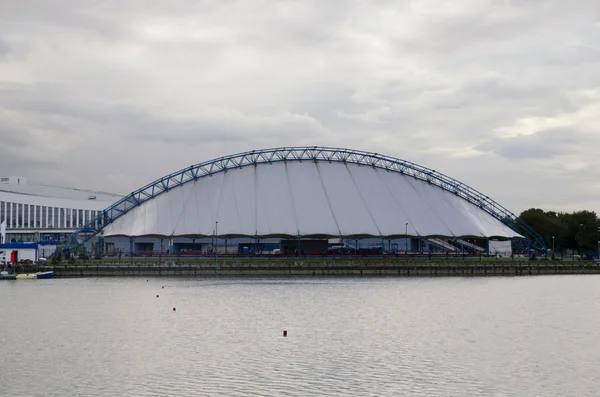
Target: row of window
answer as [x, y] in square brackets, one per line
[26, 216]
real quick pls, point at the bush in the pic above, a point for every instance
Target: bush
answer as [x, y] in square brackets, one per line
[57, 258]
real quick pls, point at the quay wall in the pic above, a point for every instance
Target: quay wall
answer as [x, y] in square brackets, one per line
[321, 268]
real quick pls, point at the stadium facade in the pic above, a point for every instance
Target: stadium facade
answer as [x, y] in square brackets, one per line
[43, 213]
[296, 198]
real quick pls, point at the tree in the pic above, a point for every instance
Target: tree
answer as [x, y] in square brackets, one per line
[570, 230]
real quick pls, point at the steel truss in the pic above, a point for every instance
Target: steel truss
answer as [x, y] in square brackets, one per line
[298, 154]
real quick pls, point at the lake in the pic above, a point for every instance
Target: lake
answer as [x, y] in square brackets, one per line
[519, 336]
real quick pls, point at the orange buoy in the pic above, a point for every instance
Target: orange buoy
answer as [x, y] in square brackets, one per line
[284, 333]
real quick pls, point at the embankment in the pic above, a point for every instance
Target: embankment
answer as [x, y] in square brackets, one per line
[320, 268]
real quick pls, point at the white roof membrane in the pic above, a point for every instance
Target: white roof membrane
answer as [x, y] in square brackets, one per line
[309, 198]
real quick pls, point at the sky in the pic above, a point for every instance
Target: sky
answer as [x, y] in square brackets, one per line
[503, 95]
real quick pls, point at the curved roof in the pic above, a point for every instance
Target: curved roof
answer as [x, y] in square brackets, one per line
[307, 191]
[308, 199]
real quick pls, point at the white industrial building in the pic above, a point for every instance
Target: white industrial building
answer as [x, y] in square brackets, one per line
[44, 213]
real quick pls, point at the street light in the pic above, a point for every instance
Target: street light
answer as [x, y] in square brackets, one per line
[599, 244]
[552, 245]
[406, 239]
[579, 234]
[215, 243]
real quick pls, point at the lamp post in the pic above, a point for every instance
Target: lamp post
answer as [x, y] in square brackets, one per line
[579, 240]
[406, 238]
[599, 243]
[216, 234]
[553, 254]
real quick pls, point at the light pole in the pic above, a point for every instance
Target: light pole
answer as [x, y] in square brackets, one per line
[215, 245]
[553, 254]
[406, 239]
[599, 243]
[579, 240]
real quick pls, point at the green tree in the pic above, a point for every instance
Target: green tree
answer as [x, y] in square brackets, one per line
[570, 230]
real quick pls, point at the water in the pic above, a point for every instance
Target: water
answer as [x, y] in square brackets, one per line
[529, 336]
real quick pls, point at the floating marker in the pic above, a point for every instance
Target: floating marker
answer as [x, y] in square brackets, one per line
[157, 296]
[174, 309]
[284, 333]
[163, 287]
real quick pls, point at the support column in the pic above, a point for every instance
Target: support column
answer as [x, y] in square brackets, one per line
[195, 249]
[160, 253]
[131, 248]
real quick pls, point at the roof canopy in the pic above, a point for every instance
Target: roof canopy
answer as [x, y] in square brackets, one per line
[308, 192]
[309, 198]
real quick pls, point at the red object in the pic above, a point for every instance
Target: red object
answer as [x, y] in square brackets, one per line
[284, 333]
[174, 309]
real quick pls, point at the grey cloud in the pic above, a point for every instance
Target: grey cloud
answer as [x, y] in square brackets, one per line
[136, 123]
[544, 144]
[5, 48]
[130, 90]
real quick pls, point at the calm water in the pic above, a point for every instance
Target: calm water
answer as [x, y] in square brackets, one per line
[530, 336]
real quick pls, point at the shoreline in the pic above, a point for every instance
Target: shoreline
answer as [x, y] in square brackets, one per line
[321, 268]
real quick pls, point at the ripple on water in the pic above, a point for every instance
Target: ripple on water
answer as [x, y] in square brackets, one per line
[429, 337]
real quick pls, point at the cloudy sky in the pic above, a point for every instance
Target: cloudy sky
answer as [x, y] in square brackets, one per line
[501, 94]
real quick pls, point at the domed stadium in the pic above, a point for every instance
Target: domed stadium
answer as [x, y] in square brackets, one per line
[307, 194]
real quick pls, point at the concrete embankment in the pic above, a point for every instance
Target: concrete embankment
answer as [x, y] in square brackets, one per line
[323, 268]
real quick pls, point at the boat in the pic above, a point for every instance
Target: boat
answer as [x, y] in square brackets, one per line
[7, 276]
[26, 276]
[44, 275]
[35, 276]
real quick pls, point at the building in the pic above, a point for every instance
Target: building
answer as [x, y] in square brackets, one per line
[43, 213]
[305, 194]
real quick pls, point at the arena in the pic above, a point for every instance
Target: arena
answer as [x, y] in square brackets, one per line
[299, 201]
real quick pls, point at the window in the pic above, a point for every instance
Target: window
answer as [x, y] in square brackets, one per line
[19, 215]
[25, 215]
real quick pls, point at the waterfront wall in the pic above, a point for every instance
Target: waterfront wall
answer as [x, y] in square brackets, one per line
[323, 268]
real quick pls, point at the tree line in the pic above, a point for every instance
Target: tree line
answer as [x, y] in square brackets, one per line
[570, 231]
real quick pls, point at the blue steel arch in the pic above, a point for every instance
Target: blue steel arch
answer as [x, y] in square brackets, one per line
[313, 153]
